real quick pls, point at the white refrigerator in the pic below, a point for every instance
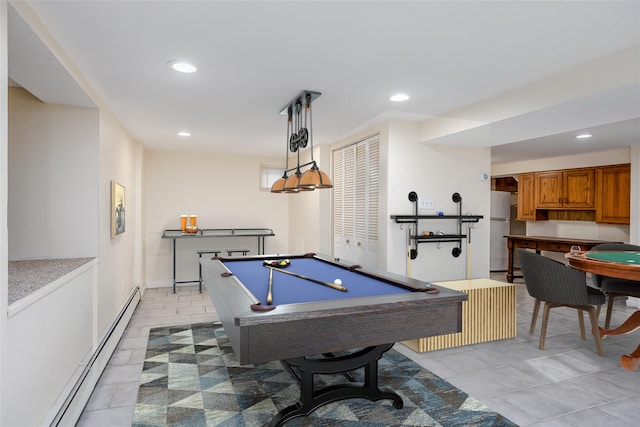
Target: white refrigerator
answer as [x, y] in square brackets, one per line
[498, 228]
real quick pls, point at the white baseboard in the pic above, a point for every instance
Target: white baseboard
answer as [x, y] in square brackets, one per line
[68, 409]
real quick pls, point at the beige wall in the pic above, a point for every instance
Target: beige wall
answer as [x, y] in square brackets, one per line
[53, 175]
[223, 190]
[121, 260]
[310, 212]
[610, 157]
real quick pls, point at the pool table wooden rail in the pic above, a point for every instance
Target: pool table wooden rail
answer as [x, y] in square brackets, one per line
[295, 330]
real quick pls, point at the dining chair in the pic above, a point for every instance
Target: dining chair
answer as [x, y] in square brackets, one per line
[558, 285]
[614, 287]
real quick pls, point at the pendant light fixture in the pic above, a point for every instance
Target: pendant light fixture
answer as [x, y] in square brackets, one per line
[299, 134]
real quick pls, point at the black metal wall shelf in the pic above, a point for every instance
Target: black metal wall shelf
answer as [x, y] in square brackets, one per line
[437, 238]
[400, 219]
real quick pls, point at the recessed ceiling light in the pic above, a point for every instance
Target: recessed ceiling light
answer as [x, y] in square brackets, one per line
[399, 97]
[583, 136]
[183, 67]
[184, 133]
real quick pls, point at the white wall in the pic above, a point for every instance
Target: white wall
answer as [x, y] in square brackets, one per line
[591, 79]
[4, 154]
[92, 307]
[48, 341]
[223, 190]
[53, 174]
[408, 165]
[437, 172]
[634, 229]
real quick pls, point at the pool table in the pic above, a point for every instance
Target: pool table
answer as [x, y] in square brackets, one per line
[306, 319]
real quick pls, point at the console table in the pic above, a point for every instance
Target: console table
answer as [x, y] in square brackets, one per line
[542, 243]
[259, 233]
[489, 314]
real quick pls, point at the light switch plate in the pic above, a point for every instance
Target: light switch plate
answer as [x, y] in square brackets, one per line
[426, 202]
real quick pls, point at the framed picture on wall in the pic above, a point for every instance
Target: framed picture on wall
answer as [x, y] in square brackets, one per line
[117, 209]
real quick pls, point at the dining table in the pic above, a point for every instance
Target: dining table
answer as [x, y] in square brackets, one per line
[618, 264]
[544, 243]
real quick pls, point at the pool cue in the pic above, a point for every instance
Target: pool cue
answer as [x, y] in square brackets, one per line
[468, 261]
[409, 250]
[269, 293]
[469, 252]
[331, 285]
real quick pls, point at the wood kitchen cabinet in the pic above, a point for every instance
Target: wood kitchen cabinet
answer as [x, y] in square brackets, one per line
[526, 196]
[566, 189]
[613, 197]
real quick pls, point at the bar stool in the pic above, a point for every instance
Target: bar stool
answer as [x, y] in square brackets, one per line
[200, 253]
[233, 251]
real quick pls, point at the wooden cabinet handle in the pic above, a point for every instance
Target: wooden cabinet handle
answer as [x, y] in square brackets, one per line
[347, 241]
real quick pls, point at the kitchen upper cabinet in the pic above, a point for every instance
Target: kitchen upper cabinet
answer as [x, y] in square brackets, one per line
[526, 196]
[548, 190]
[566, 189]
[613, 196]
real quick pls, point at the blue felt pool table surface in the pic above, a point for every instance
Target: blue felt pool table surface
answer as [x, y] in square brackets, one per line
[287, 289]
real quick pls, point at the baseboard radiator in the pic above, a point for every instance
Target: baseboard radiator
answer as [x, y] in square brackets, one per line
[73, 405]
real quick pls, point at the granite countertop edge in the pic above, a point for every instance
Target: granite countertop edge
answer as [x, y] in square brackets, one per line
[28, 276]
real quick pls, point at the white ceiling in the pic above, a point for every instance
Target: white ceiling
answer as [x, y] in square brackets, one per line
[254, 57]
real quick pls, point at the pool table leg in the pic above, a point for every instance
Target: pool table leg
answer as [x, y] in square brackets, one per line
[311, 400]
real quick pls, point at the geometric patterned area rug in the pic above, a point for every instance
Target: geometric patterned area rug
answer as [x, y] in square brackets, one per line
[192, 378]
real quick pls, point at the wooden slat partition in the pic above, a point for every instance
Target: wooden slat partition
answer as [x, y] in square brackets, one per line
[488, 315]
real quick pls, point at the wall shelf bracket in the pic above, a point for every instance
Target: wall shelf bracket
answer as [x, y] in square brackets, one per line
[437, 237]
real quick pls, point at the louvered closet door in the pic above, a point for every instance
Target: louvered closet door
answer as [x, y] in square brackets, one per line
[356, 184]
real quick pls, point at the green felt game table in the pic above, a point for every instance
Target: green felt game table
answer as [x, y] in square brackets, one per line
[620, 264]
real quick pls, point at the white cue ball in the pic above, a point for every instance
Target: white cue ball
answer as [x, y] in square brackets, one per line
[337, 282]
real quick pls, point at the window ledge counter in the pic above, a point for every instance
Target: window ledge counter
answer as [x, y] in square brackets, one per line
[31, 277]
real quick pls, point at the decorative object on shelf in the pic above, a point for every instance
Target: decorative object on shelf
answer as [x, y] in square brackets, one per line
[191, 230]
[439, 236]
[299, 134]
[117, 209]
[188, 224]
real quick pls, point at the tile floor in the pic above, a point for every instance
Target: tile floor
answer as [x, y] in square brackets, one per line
[566, 384]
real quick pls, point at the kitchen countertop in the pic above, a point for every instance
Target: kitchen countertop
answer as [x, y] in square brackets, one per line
[26, 277]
